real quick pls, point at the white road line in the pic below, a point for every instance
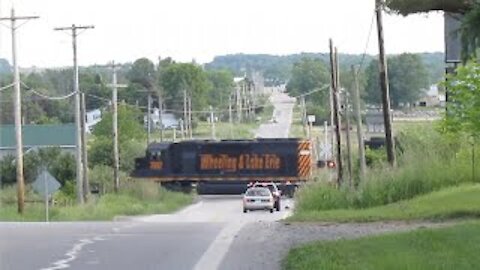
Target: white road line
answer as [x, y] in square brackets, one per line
[212, 258]
[71, 255]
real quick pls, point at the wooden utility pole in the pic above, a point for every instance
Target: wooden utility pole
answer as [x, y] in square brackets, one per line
[384, 85]
[190, 117]
[149, 117]
[212, 122]
[83, 116]
[349, 143]
[17, 102]
[185, 114]
[358, 116]
[230, 119]
[304, 115]
[160, 114]
[239, 103]
[116, 155]
[336, 116]
[76, 89]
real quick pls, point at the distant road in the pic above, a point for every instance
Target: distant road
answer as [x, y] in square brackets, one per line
[282, 113]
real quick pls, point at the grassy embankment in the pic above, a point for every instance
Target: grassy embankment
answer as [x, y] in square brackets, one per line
[137, 199]
[448, 248]
[455, 202]
[433, 181]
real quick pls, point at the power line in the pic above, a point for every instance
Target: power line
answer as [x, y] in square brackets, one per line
[364, 55]
[7, 87]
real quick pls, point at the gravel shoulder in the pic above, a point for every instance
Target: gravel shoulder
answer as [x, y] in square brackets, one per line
[263, 245]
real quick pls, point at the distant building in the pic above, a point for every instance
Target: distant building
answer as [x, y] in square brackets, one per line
[38, 136]
[432, 98]
[92, 118]
[375, 122]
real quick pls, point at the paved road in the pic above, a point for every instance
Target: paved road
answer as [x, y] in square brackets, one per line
[197, 237]
[282, 113]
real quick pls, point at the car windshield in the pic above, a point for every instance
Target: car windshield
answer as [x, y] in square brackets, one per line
[260, 192]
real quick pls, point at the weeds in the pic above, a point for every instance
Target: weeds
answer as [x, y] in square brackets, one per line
[428, 161]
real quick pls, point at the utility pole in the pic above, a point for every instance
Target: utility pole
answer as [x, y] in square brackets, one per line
[116, 155]
[149, 117]
[182, 129]
[230, 120]
[336, 116]
[358, 116]
[190, 117]
[304, 115]
[83, 116]
[384, 85]
[76, 89]
[185, 115]
[160, 114]
[349, 143]
[239, 103]
[17, 101]
[212, 122]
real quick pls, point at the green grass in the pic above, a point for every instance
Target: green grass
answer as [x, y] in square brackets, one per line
[455, 202]
[143, 200]
[226, 131]
[448, 248]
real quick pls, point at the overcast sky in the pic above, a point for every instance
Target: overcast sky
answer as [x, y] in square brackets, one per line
[193, 29]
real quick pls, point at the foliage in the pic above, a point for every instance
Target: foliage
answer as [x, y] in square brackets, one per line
[143, 73]
[129, 125]
[101, 149]
[101, 176]
[446, 248]
[375, 157]
[189, 77]
[454, 202]
[463, 108]
[407, 76]
[135, 198]
[406, 7]
[430, 161]
[221, 87]
[308, 75]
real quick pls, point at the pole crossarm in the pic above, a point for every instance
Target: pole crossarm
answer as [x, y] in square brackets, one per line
[79, 120]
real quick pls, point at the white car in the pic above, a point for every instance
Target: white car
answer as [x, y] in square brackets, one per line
[258, 198]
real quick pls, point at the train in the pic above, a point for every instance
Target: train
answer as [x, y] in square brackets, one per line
[227, 166]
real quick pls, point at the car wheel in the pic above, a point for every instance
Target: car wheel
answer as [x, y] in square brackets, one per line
[244, 210]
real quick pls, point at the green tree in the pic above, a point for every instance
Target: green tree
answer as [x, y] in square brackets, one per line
[181, 76]
[221, 87]
[129, 124]
[407, 76]
[406, 7]
[463, 108]
[308, 74]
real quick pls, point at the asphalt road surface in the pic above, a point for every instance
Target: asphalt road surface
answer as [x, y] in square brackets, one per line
[279, 125]
[198, 237]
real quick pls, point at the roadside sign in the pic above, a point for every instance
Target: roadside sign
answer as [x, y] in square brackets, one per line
[325, 150]
[46, 185]
[311, 118]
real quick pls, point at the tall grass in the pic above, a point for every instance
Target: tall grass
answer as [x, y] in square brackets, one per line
[135, 198]
[427, 161]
